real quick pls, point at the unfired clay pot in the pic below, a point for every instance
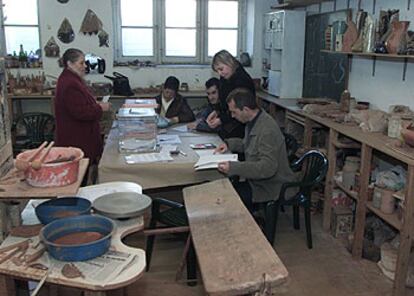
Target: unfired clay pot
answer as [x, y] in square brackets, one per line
[399, 31]
[408, 135]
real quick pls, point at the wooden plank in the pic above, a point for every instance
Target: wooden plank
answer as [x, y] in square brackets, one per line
[5, 152]
[22, 190]
[365, 169]
[233, 254]
[7, 287]
[329, 180]
[406, 235]
[307, 134]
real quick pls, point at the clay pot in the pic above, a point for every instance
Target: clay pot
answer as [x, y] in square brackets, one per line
[350, 36]
[408, 135]
[399, 31]
[59, 168]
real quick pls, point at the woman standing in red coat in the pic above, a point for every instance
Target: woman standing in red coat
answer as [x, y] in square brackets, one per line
[77, 111]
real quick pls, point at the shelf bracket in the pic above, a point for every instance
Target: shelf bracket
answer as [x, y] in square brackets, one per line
[347, 4]
[374, 2]
[374, 61]
[408, 4]
[404, 68]
[334, 8]
[350, 56]
[359, 5]
[320, 7]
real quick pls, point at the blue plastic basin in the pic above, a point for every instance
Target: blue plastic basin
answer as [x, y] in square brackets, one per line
[79, 252]
[63, 207]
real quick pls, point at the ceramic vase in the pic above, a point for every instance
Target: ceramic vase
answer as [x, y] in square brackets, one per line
[399, 31]
[350, 36]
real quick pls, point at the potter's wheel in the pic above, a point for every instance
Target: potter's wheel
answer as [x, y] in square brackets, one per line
[122, 205]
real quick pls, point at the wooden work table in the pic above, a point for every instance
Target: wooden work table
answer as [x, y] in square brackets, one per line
[131, 272]
[233, 254]
[368, 143]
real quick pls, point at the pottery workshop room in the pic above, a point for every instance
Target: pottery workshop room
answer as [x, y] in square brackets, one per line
[206, 147]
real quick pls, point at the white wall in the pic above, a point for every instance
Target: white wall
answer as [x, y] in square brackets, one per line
[52, 13]
[386, 87]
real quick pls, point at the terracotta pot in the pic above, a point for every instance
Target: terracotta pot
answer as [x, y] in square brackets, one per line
[408, 135]
[399, 31]
[59, 168]
[350, 36]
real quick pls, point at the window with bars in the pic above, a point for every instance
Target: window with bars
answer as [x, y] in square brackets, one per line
[171, 31]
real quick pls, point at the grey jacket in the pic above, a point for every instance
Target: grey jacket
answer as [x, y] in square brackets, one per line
[266, 165]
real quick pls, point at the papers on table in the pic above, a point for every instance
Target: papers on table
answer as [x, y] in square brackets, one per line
[180, 128]
[212, 161]
[168, 140]
[147, 157]
[105, 99]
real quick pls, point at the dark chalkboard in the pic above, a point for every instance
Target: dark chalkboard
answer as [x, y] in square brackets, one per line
[325, 74]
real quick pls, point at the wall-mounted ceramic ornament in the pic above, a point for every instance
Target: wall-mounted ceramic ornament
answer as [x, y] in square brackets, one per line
[65, 32]
[51, 48]
[91, 23]
[103, 39]
[63, 1]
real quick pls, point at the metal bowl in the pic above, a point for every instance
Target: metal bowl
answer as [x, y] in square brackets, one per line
[77, 252]
[63, 207]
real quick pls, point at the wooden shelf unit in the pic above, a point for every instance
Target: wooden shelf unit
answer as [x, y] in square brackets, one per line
[369, 142]
[350, 193]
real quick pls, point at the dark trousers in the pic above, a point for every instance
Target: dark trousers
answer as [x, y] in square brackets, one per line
[245, 192]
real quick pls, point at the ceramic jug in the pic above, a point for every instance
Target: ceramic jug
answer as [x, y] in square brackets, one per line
[399, 31]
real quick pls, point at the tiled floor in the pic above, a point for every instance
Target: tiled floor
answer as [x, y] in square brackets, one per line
[327, 269]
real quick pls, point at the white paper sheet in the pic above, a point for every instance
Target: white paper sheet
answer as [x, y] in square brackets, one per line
[147, 157]
[105, 99]
[168, 140]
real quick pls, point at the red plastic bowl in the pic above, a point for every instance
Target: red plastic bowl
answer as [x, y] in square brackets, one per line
[51, 174]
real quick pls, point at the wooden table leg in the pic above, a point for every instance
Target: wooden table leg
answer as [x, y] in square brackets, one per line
[365, 169]
[329, 180]
[7, 286]
[406, 234]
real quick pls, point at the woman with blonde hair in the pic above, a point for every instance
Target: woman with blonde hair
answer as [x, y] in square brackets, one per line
[232, 76]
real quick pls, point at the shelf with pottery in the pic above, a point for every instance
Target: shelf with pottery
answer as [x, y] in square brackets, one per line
[391, 219]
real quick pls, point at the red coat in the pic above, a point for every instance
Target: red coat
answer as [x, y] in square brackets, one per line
[77, 116]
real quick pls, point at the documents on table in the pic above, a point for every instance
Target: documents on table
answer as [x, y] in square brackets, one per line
[168, 140]
[212, 161]
[147, 157]
[105, 99]
[180, 128]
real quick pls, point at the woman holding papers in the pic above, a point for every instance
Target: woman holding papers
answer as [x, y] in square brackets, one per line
[266, 165]
[76, 109]
[232, 76]
[172, 105]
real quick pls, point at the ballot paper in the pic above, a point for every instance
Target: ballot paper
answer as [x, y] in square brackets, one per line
[212, 161]
[105, 99]
[179, 128]
[168, 140]
[147, 157]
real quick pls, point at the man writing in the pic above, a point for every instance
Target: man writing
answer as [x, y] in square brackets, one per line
[266, 165]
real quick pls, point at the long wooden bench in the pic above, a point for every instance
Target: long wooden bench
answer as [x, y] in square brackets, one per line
[233, 254]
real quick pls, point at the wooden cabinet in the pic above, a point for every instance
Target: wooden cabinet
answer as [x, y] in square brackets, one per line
[284, 41]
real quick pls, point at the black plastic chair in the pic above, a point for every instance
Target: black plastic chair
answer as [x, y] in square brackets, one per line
[291, 146]
[173, 218]
[32, 129]
[313, 165]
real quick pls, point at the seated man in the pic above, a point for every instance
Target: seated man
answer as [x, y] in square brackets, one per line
[212, 89]
[266, 165]
[171, 104]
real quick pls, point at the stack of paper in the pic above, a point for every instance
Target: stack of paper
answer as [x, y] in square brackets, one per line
[212, 161]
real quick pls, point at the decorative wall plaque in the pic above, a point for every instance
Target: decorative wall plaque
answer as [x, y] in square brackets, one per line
[65, 32]
[91, 23]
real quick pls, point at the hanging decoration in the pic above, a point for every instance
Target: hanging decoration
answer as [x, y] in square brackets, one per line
[91, 23]
[103, 38]
[63, 1]
[65, 32]
[51, 48]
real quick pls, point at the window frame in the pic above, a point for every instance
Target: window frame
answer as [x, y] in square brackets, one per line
[23, 26]
[159, 41]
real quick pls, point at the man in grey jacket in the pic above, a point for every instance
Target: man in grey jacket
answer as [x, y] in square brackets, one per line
[266, 165]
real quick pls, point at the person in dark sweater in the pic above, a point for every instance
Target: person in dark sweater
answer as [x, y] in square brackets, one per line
[212, 90]
[172, 105]
[232, 76]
